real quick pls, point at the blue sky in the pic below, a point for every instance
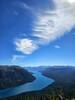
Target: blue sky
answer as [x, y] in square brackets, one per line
[37, 32]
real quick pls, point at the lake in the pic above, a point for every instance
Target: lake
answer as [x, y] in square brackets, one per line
[38, 84]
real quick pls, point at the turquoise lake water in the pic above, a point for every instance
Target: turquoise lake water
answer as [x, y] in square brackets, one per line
[38, 84]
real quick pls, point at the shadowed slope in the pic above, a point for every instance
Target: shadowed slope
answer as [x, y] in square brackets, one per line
[11, 76]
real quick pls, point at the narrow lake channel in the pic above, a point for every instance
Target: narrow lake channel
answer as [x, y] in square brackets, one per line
[39, 83]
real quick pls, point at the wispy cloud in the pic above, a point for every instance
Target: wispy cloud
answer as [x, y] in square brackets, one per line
[24, 5]
[51, 25]
[57, 46]
[73, 33]
[16, 58]
[48, 26]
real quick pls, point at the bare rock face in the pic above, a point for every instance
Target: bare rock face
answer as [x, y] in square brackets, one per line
[11, 76]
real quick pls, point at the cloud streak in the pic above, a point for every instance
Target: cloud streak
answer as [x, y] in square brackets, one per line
[49, 25]
[16, 58]
[53, 24]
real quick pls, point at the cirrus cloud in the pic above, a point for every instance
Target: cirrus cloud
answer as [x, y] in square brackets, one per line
[16, 58]
[49, 25]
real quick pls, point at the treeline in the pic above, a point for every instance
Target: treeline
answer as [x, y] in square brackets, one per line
[38, 97]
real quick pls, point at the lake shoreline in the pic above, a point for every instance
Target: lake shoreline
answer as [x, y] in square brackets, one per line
[28, 87]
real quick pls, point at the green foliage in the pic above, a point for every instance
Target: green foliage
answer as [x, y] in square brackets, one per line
[38, 97]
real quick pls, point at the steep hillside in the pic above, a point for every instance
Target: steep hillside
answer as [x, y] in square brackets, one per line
[11, 76]
[64, 79]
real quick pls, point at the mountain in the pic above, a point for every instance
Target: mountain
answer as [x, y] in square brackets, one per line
[37, 68]
[64, 79]
[11, 76]
[63, 87]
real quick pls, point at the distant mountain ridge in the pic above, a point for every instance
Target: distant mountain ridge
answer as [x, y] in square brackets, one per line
[42, 68]
[11, 76]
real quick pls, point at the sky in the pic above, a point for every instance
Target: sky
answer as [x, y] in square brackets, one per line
[37, 32]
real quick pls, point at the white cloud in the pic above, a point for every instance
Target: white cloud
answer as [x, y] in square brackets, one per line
[71, 1]
[51, 25]
[25, 46]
